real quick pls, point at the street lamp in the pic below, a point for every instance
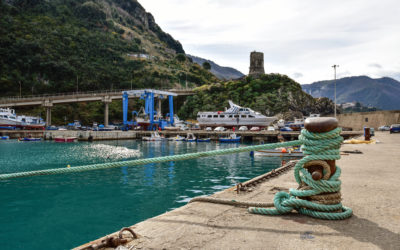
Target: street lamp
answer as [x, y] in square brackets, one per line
[334, 69]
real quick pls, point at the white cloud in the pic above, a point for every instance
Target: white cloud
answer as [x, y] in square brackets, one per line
[305, 37]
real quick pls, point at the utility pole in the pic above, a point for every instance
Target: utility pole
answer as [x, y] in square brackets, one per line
[334, 69]
[20, 89]
[77, 85]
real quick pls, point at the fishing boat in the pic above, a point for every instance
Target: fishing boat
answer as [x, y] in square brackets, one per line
[31, 122]
[5, 137]
[232, 138]
[203, 139]
[280, 152]
[190, 137]
[234, 116]
[155, 136]
[65, 139]
[8, 119]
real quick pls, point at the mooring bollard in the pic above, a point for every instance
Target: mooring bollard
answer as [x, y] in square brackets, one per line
[320, 125]
[318, 194]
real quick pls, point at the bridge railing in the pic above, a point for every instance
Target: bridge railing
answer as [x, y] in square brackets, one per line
[79, 93]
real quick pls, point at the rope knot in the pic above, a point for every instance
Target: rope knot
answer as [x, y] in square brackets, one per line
[316, 147]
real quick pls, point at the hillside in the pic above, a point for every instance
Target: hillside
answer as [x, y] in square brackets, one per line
[382, 93]
[271, 94]
[65, 46]
[223, 73]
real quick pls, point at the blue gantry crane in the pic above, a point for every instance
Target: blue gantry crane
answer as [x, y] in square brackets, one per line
[148, 95]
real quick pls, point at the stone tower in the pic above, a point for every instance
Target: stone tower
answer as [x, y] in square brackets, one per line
[256, 64]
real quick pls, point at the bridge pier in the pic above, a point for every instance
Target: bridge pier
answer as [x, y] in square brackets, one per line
[106, 100]
[48, 104]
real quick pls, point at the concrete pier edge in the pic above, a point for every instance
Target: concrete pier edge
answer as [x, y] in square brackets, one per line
[368, 183]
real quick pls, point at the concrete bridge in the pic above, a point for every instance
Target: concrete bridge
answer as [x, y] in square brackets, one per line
[49, 100]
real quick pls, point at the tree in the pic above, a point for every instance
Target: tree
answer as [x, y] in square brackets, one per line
[180, 57]
[206, 65]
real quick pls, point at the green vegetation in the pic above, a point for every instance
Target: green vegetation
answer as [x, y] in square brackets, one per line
[65, 46]
[272, 94]
[206, 65]
[76, 45]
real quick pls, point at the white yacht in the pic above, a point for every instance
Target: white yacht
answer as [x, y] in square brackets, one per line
[234, 116]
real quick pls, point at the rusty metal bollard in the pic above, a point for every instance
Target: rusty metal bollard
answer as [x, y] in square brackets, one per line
[320, 125]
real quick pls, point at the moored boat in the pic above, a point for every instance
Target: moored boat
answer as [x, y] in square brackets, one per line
[65, 139]
[30, 139]
[234, 116]
[5, 137]
[203, 139]
[155, 136]
[280, 152]
[232, 138]
[177, 138]
[190, 137]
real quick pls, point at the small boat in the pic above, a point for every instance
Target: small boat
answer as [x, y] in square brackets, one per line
[190, 137]
[203, 140]
[5, 137]
[155, 136]
[30, 139]
[177, 138]
[280, 152]
[65, 139]
[231, 138]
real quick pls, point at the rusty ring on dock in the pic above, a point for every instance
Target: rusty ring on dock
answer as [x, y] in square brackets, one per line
[129, 230]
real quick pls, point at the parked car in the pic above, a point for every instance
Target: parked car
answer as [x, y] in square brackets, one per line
[208, 129]
[255, 129]
[270, 128]
[286, 129]
[395, 128]
[384, 128]
[243, 128]
[183, 128]
[52, 128]
[219, 129]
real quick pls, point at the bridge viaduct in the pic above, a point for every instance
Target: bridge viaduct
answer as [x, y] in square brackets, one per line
[48, 101]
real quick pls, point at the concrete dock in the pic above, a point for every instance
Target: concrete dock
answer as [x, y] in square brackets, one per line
[370, 184]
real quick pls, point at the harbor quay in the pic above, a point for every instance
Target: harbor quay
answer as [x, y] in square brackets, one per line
[369, 183]
[247, 136]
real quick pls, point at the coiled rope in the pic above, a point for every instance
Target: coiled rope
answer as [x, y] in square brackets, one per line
[316, 146]
[148, 160]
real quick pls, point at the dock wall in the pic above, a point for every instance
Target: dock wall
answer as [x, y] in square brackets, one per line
[357, 121]
[247, 136]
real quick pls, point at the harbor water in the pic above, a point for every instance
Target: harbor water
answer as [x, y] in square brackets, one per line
[64, 211]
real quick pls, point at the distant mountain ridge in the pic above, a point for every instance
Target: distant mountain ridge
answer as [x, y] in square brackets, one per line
[382, 93]
[223, 73]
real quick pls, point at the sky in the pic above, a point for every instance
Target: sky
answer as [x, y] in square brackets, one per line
[299, 38]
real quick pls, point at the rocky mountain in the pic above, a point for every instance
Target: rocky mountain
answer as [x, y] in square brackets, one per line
[64, 46]
[382, 93]
[223, 73]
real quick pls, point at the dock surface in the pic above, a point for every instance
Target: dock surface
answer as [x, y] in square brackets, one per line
[370, 184]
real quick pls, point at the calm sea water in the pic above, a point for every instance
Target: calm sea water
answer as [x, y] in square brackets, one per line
[64, 211]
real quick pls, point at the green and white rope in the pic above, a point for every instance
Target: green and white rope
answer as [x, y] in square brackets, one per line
[148, 160]
[316, 146]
